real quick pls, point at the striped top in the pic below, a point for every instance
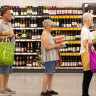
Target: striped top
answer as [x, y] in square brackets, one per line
[49, 55]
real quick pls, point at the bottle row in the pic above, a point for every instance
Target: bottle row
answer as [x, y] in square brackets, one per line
[91, 8]
[68, 22]
[24, 22]
[30, 61]
[28, 34]
[71, 61]
[71, 48]
[36, 34]
[44, 10]
[27, 47]
[26, 61]
[68, 35]
[34, 22]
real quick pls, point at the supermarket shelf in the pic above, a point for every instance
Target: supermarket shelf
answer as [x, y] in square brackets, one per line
[58, 28]
[25, 53]
[28, 67]
[51, 16]
[41, 70]
[29, 28]
[67, 16]
[55, 28]
[44, 68]
[94, 15]
[72, 42]
[25, 40]
[70, 54]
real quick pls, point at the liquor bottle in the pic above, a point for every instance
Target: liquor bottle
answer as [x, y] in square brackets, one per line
[11, 9]
[23, 25]
[28, 11]
[31, 47]
[38, 37]
[31, 25]
[17, 13]
[57, 22]
[35, 22]
[25, 11]
[22, 11]
[16, 23]
[27, 63]
[24, 34]
[14, 11]
[28, 47]
[26, 22]
[21, 22]
[17, 61]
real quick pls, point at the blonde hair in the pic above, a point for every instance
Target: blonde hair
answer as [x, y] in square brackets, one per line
[46, 23]
[87, 16]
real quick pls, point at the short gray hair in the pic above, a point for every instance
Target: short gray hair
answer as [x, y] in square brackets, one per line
[46, 23]
[86, 16]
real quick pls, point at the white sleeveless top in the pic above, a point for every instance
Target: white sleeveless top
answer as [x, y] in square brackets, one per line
[49, 55]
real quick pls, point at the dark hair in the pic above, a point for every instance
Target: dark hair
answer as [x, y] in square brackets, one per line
[4, 10]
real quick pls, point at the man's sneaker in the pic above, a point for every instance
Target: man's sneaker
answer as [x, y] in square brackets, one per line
[52, 92]
[45, 94]
[10, 91]
[5, 93]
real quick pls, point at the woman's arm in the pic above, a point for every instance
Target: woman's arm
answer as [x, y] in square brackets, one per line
[85, 42]
[45, 39]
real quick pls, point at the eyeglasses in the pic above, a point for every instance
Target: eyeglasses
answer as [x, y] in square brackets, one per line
[8, 13]
[51, 25]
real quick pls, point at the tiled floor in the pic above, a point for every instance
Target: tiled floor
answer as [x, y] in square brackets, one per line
[67, 84]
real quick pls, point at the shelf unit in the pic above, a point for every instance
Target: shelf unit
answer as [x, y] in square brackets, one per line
[39, 19]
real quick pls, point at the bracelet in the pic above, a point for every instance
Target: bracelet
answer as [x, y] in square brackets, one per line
[9, 32]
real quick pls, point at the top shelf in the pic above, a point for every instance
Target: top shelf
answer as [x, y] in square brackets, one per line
[50, 16]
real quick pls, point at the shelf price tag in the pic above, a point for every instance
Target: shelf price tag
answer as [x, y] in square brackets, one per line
[79, 28]
[56, 16]
[79, 16]
[71, 16]
[75, 16]
[60, 28]
[67, 28]
[67, 16]
[75, 28]
[63, 16]
[71, 28]
[63, 28]
[53, 28]
[60, 16]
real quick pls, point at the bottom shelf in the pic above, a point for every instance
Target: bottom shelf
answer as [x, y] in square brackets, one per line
[41, 70]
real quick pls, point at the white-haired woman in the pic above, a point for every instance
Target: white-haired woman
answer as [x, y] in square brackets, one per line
[49, 51]
[85, 39]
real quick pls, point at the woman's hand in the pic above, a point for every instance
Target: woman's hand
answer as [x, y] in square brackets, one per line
[58, 46]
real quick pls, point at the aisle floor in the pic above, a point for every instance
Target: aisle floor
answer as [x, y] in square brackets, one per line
[67, 84]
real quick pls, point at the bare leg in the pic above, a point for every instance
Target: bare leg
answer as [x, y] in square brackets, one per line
[45, 82]
[6, 77]
[50, 82]
[1, 81]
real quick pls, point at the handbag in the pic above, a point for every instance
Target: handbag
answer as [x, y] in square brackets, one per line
[59, 62]
[92, 59]
[86, 59]
[7, 53]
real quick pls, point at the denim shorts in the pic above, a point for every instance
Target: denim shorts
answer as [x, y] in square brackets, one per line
[6, 70]
[50, 67]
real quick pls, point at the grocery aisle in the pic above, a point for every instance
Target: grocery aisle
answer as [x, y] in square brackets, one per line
[67, 84]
